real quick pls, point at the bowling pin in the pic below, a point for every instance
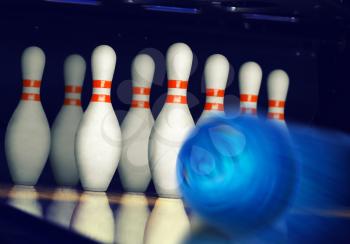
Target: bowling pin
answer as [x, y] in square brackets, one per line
[173, 124]
[131, 219]
[277, 89]
[64, 128]
[98, 139]
[93, 217]
[134, 169]
[168, 222]
[27, 139]
[250, 75]
[216, 72]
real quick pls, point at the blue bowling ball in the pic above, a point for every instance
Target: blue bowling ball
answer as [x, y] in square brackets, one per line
[238, 174]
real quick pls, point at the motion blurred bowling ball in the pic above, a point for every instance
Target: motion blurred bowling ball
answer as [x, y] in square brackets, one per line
[238, 174]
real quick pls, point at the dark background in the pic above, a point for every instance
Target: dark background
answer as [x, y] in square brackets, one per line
[307, 38]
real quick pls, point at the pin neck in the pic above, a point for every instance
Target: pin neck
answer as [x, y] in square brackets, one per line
[277, 104]
[72, 95]
[179, 84]
[276, 110]
[248, 111]
[139, 104]
[137, 90]
[177, 92]
[214, 106]
[73, 89]
[176, 99]
[276, 116]
[101, 91]
[215, 92]
[248, 104]
[31, 90]
[140, 97]
[251, 98]
[214, 99]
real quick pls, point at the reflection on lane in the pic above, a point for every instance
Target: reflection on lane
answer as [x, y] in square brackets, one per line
[202, 232]
[168, 222]
[60, 210]
[25, 198]
[90, 214]
[131, 219]
[93, 217]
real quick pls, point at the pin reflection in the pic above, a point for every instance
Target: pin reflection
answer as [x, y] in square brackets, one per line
[25, 198]
[94, 217]
[168, 222]
[131, 219]
[60, 211]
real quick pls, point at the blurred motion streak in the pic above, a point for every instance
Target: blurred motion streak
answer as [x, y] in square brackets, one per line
[243, 174]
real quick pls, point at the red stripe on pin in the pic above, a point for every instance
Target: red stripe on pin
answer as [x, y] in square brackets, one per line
[248, 98]
[73, 89]
[74, 102]
[215, 93]
[181, 84]
[30, 96]
[276, 104]
[176, 99]
[214, 106]
[278, 116]
[101, 98]
[245, 110]
[141, 90]
[102, 84]
[139, 104]
[31, 83]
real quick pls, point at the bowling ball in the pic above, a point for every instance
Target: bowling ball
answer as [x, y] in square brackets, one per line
[238, 174]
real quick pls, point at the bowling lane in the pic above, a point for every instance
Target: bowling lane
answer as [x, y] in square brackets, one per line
[137, 218]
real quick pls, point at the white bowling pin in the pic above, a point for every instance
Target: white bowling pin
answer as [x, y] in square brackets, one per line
[277, 89]
[134, 169]
[131, 219]
[27, 139]
[216, 72]
[61, 209]
[173, 123]
[25, 198]
[250, 75]
[64, 128]
[168, 222]
[98, 139]
[94, 217]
